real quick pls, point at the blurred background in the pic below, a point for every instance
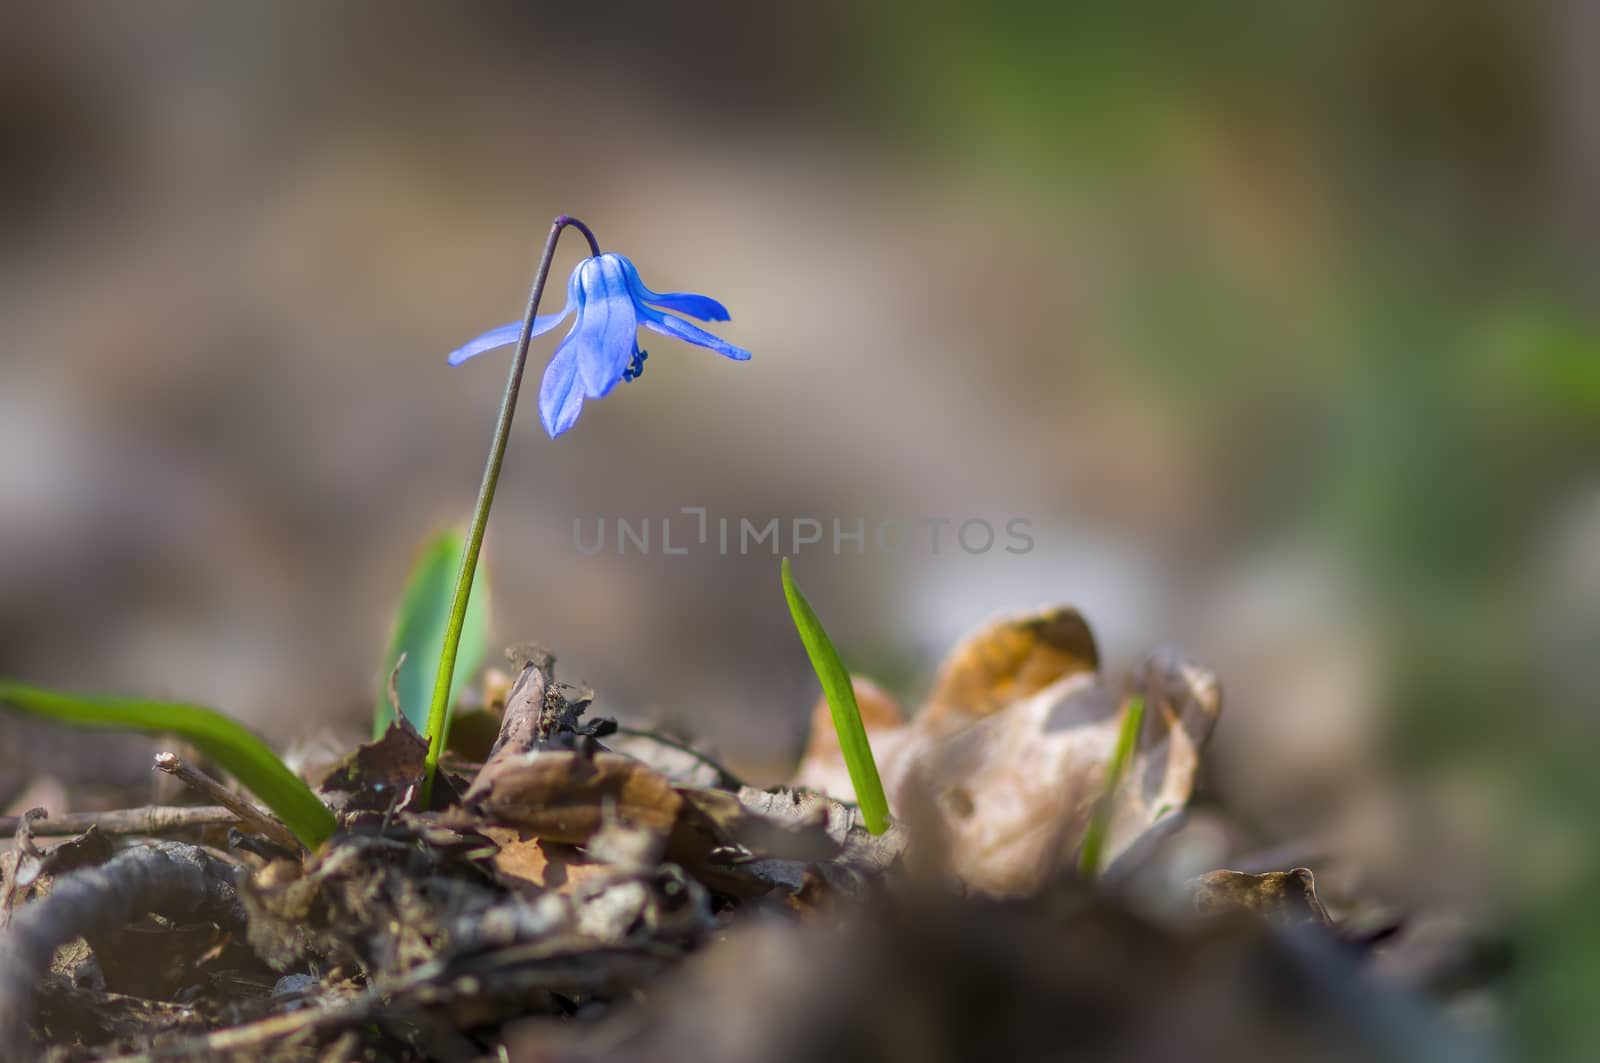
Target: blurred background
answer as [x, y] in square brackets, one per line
[1276, 322]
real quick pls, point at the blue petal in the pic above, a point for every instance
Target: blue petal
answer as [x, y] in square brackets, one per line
[505, 335]
[607, 330]
[701, 306]
[677, 328]
[560, 398]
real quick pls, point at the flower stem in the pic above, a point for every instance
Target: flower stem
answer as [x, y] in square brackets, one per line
[439, 708]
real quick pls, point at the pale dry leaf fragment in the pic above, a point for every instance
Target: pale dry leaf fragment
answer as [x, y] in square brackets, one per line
[732, 820]
[1182, 703]
[721, 839]
[1008, 761]
[1012, 795]
[1004, 661]
[682, 760]
[1016, 792]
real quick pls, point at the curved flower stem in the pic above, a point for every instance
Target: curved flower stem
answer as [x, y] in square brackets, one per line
[588, 233]
[439, 708]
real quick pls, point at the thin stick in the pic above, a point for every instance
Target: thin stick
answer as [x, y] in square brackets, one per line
[152, 819]
[553, 966]
[439, 708]
[23, 849]
[249, 815]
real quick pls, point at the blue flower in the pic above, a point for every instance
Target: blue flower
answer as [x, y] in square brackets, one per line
[603, 344]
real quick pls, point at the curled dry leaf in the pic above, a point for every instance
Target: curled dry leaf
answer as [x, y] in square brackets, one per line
[1008, 760]
[1287, 897]
[562, 795]
[1007, 660]
[90, 849]
[548, 776]
[378, 773]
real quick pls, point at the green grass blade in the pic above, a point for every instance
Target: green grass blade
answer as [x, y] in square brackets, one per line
[419, 630]
[225, 741]
[841, 697]
[1094, 839]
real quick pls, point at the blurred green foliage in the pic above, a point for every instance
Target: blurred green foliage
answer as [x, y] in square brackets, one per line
[1349, 273]
[419, 629]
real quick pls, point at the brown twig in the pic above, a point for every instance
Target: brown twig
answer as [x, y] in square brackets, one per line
[250, 816]
[23, 850]
[26, 829]
[514, 971]
[393, 689]
[152, 819]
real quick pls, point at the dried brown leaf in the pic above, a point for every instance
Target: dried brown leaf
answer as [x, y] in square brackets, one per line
[377, 773]
[562, 796]
[532, 865]
[1287, 897]
[1014, 793]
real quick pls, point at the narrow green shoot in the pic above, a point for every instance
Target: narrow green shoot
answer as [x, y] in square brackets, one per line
[841, 695]
[1094, 839]
[229, 743]
[418, 633]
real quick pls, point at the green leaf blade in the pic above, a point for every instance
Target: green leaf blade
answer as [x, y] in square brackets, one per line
[228, 742]
[841, 695]
[419, 631]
